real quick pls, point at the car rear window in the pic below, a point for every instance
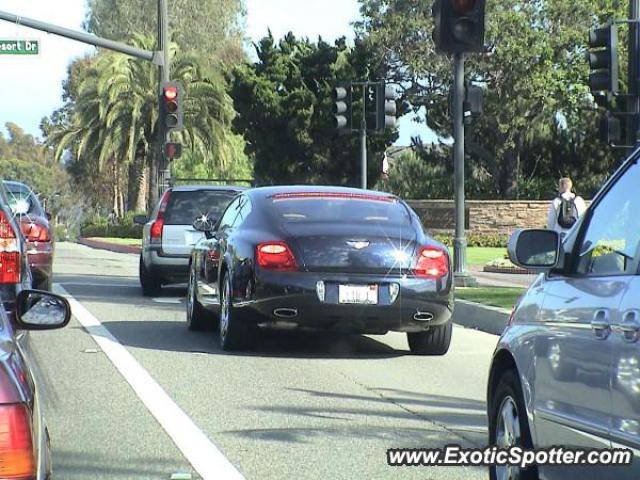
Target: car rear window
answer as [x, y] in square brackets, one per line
[332, 207]
[184, 207]
[23, 201]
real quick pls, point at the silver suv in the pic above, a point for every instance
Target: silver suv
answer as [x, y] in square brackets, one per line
[566, 370]
[168, 235]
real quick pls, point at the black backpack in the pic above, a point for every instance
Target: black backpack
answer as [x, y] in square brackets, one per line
[567, 213]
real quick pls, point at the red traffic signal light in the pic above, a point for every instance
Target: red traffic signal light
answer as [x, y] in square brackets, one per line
[171, 106]
[463, 6]
[173, 150]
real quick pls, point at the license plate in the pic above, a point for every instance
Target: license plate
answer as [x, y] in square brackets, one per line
[358, 294]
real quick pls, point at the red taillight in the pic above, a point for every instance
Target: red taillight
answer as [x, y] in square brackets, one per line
[432, 263]
[16, 447]
[35, 232]
[158, 225]
[9, 253]
[275, 256]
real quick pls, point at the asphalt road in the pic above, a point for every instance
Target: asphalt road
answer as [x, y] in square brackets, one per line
[299, 407]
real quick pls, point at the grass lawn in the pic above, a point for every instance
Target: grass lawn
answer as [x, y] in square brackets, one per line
[503, 297]
[483, 255]
[120, 241]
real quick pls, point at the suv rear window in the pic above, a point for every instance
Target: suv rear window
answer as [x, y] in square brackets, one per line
[356, 208]
[23, 202]
[184, 207]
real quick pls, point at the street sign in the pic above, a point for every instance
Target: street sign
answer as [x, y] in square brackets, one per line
[19, 47]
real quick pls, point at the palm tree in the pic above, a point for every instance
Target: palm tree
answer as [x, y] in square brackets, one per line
[114, 124]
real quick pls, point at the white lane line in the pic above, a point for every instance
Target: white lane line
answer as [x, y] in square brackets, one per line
[201, 453]
[114, 285]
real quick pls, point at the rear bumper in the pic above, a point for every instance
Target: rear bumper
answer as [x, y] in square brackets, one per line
[169, 268]
[290, 300]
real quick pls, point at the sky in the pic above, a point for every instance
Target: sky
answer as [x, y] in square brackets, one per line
[32, 85]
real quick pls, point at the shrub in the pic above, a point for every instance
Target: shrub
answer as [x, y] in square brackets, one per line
[100, 226]
[477, 240]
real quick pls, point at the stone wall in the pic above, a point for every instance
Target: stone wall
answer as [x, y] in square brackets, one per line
[486, 217]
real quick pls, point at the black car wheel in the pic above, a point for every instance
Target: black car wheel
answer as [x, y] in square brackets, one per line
[509, 427]
[435, 341]
[198, 318]
[151, 287]
[233, 334]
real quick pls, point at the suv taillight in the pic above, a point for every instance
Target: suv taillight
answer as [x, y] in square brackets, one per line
[432, 262]
[16, 446]
[275, 256]
[158, 225]
[9, 253]
[35, 232]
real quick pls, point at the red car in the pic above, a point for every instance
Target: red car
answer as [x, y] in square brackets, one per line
[34, 223]
[24, 438]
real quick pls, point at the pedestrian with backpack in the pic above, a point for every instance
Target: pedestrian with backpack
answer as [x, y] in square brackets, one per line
[565, 209]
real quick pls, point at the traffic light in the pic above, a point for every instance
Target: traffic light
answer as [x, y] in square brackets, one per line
[611, 129]
[603, 59]
[172, 150]
[342, 108]
[171, 113]
[385, 106]
[459, 25]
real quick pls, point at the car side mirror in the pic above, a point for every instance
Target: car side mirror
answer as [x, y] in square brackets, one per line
[38, 310]
[536, 250]
[140, 219]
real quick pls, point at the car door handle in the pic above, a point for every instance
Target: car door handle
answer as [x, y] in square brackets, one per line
[630, 327]
[600, 324]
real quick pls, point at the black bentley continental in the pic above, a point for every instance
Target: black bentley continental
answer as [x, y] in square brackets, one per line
[320, 258]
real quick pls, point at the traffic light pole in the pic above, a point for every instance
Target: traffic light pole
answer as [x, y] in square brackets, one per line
[633, 124]
[164, 173]
[363, 139]
[461, 276]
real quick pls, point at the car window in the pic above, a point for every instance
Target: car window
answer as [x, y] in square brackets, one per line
[612, 240]
[229, 216]
[243, 212]
[22, 201]
[184, 207]
[302, 208]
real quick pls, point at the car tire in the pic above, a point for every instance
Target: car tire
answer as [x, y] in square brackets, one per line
[198, 317]
[232, 333]
[151, 287]
[508, 424]
[435, 341]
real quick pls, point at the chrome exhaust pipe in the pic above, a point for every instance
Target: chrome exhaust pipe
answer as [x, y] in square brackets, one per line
[286, 312]
[423, 316]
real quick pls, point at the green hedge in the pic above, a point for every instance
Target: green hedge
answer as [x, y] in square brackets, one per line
[477, 240]
[100, 226]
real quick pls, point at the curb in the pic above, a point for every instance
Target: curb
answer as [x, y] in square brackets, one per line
[487, 319]
[511, 270]
[112, 247]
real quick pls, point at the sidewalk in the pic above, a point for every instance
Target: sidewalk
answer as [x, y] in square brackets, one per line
[486, 279]
[112, 247]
